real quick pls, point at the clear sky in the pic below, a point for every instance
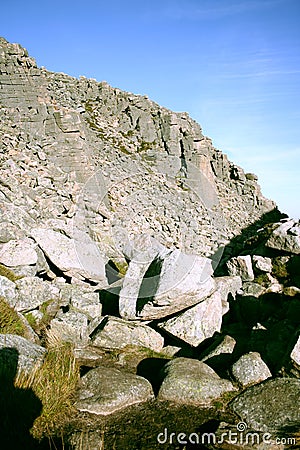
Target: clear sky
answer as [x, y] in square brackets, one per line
[233, 65]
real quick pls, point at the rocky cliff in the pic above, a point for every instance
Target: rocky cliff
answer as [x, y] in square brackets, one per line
[127, 235]
[79, 154]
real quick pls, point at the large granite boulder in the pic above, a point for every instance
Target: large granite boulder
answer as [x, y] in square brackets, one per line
[241, 266]
[286, 237]
[75, 258]
[18, 252]
[115, 333]
[189, 381]
[184, 281]
[198, 322]
[106, 390]
[269, 406]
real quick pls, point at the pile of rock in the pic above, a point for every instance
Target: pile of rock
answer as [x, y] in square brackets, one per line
[128, 263]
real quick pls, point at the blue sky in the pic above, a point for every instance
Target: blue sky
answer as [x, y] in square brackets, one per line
[233, 65]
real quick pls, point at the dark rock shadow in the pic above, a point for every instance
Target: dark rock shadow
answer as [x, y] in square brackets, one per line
[149, 284]
[18, 407]
[150, 368]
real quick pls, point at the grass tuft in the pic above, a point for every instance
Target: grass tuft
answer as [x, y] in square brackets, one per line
[54, 383]
[10, 322]
[8, 273]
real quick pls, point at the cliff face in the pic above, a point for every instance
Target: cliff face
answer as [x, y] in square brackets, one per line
[77, 154]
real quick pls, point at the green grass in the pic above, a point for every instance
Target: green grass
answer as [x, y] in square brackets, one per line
[10, 322]
[8, 273]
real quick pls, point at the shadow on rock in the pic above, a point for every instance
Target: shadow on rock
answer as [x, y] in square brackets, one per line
[18, 407]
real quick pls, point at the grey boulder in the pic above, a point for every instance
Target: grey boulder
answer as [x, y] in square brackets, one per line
[189, 381]
[184, 281]
[106, 390]
[286, 237]
[18, 252]
[241, 266]
[19, 353]
[250, 369]
[76, 258]
[115, 333]
[269, 406]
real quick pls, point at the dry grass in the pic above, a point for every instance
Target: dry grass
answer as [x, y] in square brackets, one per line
[54, 383]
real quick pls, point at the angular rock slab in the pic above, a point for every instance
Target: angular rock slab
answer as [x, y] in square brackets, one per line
[19, 353]
[269, 406]
[184, 281]
[250, 369]
[8, 290]
[33, 292]
[71, 326]
[143, 251]
[197, 323]
[204, 319]
[286, 237]
[115, 333]
[228, 285]
[106, 390]
[189, 381]
[241, 266]
[226, 346]
[79, 259]
[18, 252]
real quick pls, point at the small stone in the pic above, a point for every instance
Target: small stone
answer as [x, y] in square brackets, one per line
[262, 263]
[241, 266]
[250, 369]
[295, 355]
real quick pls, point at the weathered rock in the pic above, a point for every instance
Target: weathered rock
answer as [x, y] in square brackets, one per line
[250, 369]
[79, 259]
[189, 381]
[117, 333]
[252, 289]
[184, 281]
[198, 322]
[262, 263]
[241, 266]
[143, 252]
[291, 291]
[106, 390]
[8, 290]
[19, 252]
[71, 326]
[81, 299]
[33, 292]
[286, 237]
[269, 406]
[226, 346]
[20, 352]
[295, 355]
[226, 286]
